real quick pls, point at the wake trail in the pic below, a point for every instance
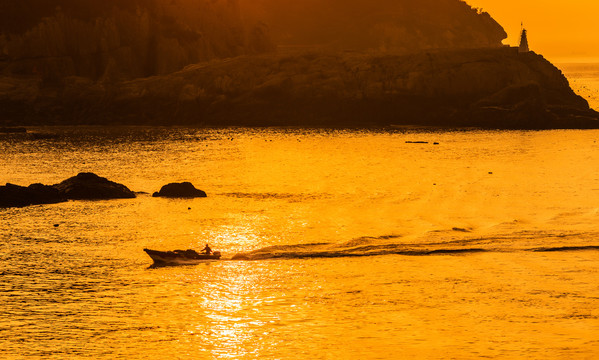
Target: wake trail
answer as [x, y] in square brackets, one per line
[385, 245]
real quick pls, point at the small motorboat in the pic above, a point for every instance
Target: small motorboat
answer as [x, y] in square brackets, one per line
[180, 257]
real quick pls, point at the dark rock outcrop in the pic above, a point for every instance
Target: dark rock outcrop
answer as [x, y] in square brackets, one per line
[36, 194]
[493, 88]
[89, 186]
[12, 130]
[180, 190]
[84, 186]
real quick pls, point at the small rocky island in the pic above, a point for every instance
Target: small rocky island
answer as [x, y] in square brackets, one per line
[180, 190]
[84, 186]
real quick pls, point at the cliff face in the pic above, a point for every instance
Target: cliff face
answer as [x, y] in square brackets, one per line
[398, 26]
[110, 39]
[496, 88]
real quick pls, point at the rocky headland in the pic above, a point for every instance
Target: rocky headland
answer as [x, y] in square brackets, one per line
[491, 88]
[146, 62]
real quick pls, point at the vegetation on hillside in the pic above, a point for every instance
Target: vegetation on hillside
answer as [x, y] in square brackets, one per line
[398, 26]
[117, 39]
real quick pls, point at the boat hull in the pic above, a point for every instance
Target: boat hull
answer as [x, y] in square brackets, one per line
[180, 257]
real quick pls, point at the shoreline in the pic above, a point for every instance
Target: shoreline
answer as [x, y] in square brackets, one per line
[33, 129]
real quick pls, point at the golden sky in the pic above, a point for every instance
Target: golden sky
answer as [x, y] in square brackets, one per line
[560, 30]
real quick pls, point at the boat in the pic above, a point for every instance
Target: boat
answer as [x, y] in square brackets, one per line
[180, 257]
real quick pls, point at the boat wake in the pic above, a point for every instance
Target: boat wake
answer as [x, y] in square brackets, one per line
[567, 248]
[389, 245]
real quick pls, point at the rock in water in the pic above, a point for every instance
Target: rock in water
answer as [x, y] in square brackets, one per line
[19, 196]
[12, 130]
[180, 190]
[89, 186]
[85, 186]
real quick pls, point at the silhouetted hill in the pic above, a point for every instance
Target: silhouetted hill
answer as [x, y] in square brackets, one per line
[398, 26]
[496, 88]
[195, 62]
[116, 39]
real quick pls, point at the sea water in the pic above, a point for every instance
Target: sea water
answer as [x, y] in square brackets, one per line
[361, 244]
[584, 80]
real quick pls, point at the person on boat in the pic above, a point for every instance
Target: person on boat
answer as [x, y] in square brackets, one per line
[207, 250]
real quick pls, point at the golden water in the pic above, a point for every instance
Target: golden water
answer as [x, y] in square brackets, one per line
[584, 80]
[300, 202]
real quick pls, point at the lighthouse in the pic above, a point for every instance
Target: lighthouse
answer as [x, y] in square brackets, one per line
[523, 48]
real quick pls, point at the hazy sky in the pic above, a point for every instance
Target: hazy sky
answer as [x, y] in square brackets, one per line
[556, 29]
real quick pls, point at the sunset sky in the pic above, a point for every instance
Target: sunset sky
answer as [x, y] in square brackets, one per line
[560, 30]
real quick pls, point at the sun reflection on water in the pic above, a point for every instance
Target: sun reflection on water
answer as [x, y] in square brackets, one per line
[84, 290]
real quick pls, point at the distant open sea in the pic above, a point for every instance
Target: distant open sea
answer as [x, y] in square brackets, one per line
[584, 79]
[363, 245]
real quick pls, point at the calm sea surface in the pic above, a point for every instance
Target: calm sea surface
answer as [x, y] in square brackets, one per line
[584, 79]
[351, 235]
